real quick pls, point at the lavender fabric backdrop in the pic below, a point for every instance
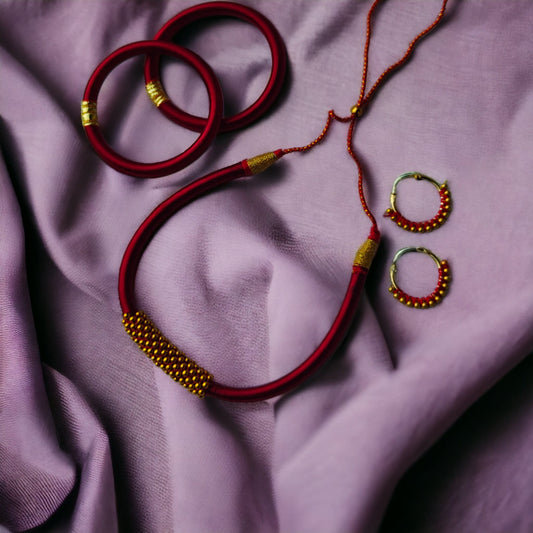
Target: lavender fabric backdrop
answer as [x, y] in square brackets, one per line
[418, 423]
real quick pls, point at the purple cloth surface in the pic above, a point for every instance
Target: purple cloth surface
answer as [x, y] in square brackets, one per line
[419, 423]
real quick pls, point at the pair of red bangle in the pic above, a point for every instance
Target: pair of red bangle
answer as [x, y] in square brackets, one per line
[208, 127]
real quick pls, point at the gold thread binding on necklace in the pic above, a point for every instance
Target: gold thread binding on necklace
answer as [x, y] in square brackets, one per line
[156, 92]
[166, 355]
[261, 162]
[366, 253]
[89, 116]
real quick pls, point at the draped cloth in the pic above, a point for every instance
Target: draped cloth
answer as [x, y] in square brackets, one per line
[422, 419]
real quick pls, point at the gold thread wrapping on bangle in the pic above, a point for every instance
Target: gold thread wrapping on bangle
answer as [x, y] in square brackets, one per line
[261, 162]
[156, 92]
[89, 116]
[166, 355]
[366, 253]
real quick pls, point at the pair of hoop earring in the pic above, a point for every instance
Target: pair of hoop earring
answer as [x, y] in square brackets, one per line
[420, 227]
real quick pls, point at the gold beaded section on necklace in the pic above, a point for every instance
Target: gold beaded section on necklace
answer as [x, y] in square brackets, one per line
[89, 117]
[166, 355]
[156, 92]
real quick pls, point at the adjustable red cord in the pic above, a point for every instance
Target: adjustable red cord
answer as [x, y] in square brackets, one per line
[363, 100]
[150, 170]
[218, 9]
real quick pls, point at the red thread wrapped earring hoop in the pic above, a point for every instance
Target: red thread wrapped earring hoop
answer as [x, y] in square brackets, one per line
[426, 301]
[429, 225]
[218, 9]
[89, 117]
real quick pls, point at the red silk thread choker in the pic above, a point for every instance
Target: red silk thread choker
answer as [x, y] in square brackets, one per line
[162, 351]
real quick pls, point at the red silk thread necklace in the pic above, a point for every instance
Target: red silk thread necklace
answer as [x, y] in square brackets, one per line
[169, 357]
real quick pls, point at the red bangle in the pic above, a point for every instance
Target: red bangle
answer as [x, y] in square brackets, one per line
[216, 9]
[174, 362]
[150, 170]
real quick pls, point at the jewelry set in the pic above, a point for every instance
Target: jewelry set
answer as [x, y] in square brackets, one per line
[162, 351]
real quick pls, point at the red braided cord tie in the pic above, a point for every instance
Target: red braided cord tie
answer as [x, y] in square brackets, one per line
[217, 9]
[174, 362]
[150, 170]
[423, 302]
[438, 220]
